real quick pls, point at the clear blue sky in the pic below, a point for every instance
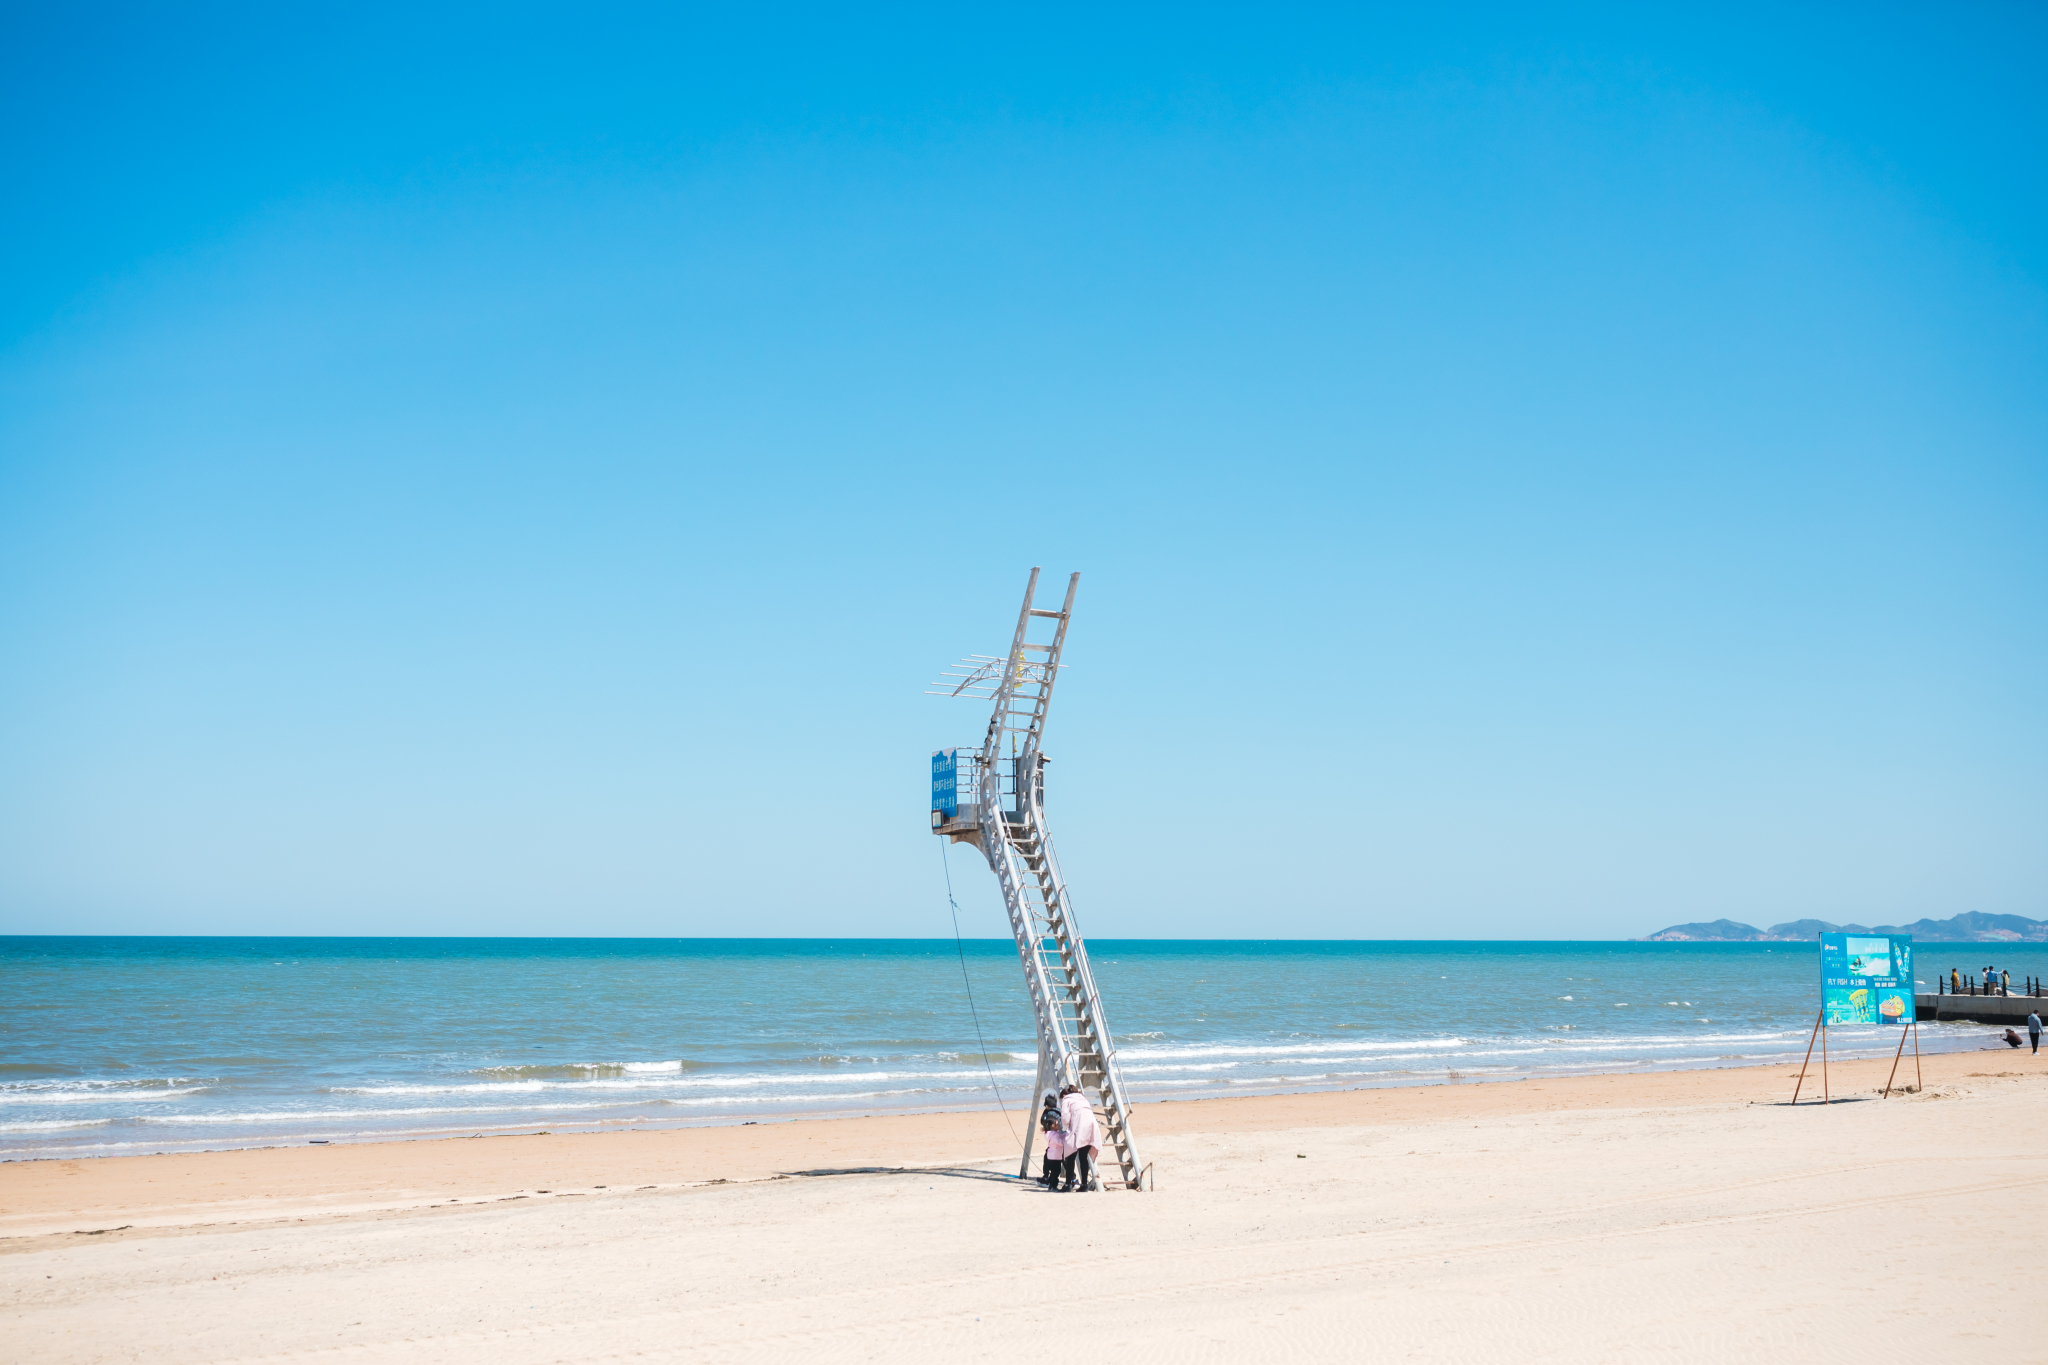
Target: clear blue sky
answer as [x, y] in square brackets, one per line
[513, 471]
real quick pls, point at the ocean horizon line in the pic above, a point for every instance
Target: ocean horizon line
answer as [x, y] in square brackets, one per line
[1004, 941]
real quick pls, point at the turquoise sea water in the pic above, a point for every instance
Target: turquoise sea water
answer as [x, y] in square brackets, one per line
[117, 1045]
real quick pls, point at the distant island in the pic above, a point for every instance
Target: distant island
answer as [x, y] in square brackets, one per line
[1969, 927]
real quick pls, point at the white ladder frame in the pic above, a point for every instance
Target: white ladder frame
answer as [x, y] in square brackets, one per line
[1075, 1046]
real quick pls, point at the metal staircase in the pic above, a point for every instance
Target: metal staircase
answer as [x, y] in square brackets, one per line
[1006, 821]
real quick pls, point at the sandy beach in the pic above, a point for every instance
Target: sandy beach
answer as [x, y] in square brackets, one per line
[1682, 1215]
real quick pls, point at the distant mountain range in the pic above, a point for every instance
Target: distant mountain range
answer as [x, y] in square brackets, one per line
[1969, 927]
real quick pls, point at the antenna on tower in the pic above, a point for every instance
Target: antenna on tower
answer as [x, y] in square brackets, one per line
[996, 801]
[981, 675]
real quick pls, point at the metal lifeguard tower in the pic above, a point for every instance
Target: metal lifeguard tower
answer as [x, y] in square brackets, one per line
[994, 798]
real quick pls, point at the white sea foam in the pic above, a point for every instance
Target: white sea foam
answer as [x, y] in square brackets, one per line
[740, 1081]
[1232, 1065]
[474, 1088]
[1247, 1067]
[1266, 1049]
[584, 1070]
[307, 1115]
[537, 1113]
[71, 1095]
[52, 1125]
[841, 1097]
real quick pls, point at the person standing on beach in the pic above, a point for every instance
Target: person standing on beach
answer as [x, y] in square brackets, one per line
[1055, 1143]
[1955, 982]
[1083, 1138]
[2034, 1029]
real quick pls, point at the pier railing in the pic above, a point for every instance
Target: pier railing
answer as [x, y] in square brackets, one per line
[1966, 984]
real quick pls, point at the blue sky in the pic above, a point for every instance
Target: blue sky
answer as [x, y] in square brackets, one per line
[502, 471]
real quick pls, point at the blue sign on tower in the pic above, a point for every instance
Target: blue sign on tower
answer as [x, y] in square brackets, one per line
[946, 783]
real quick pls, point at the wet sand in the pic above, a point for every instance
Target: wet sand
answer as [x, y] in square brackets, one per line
[1687, 1214]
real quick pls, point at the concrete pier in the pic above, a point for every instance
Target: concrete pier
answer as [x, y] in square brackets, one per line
[2009, 1011]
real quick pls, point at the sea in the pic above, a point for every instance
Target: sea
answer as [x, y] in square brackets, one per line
[112, 1046]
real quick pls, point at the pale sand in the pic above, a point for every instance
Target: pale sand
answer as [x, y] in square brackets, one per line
[1682, 1216]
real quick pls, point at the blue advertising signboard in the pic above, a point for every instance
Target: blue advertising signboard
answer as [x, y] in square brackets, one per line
[946, 782]
[1866, 978]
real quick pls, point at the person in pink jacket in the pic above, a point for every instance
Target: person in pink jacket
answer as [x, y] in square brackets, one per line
[1083, 1138]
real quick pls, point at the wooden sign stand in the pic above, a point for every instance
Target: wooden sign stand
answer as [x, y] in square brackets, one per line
[1820, 1031]
[1918, 1084]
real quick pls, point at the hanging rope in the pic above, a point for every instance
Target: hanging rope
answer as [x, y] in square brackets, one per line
[961, 948]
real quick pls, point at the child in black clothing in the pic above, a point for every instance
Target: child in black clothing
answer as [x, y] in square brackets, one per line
[1055, 1148]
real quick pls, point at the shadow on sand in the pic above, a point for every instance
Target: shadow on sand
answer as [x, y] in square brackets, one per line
[950, 1172]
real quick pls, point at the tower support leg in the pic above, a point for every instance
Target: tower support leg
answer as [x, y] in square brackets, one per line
[1031, 1123]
